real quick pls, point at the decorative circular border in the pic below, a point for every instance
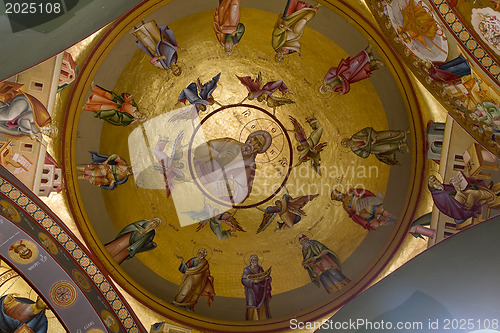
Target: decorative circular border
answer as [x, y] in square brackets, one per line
[68, 296]
[238, 206]
[320, 311]
[258, 121]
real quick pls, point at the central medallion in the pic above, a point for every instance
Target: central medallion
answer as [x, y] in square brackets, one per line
[240, 156]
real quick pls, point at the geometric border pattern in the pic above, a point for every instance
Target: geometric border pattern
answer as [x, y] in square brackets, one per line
[75, 251]
[467, 40]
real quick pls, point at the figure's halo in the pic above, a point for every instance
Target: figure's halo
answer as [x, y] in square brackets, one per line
[317, 87]
[284, 63]
[183, 68]
[296, 238]
[15, 213]
[246, 257]
[336, 202]
[161, 217]
[341, 137]
[436, 174]
[203, 246]
[234, 55]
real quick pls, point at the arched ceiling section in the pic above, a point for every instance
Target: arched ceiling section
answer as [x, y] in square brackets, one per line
[40, 248]
[441, 43]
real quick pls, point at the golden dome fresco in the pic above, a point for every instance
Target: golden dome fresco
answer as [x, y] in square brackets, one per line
[239, 175]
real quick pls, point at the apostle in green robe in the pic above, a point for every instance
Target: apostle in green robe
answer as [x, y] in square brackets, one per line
[383, 144]
[134, 238]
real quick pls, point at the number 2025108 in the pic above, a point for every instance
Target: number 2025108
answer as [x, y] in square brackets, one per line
[32, 8]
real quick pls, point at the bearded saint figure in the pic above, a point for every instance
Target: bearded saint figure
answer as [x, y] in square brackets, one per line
[226, 167]
[196, 281]
[257, 283]
[322, 265]
[25, 115]
[462, 203]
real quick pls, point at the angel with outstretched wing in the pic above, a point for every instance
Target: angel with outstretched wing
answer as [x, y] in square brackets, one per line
[288, 209]
[255, 91]
[211, 216]
[200, 95]
[171, 166]
[309, 148]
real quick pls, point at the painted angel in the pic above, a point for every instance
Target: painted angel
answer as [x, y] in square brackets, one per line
[209, 215]
[309, 148]
[171, 166]
[289, 210]
[200, 95]
[256, 91]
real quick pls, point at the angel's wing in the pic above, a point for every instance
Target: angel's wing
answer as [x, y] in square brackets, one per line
[190, 94]
[271, 86]
[251, 84]
[231, 221]
[267, 219]
[208, 88]
[176, 151]
[300, 134]
[159, 150]
[202, 224]
[189, 113]
[295, 205]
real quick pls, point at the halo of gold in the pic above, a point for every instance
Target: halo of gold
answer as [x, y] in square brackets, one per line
[209, 250]
[115, 327]
[318, 85]
[296, 239]
[17, 258]
[17, 216]
[163, 223]
[435, 174]
[259, 254]
[50, 246]
[341, 137]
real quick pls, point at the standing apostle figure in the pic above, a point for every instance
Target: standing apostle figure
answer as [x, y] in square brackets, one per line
[196, 281]
[322, 265]
[257, 290]
[227, 26]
